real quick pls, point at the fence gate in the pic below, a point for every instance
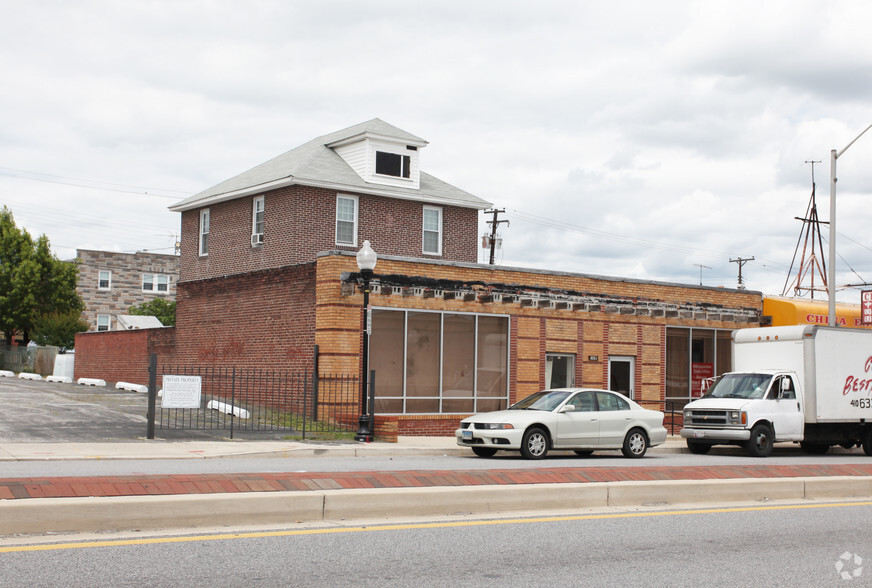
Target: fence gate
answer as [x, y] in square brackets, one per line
[250, 400]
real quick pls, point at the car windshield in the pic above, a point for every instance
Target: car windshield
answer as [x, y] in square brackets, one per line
[546, 400]
[748, 386]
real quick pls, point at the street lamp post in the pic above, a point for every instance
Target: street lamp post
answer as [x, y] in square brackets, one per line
[366, 260]
[831, 274]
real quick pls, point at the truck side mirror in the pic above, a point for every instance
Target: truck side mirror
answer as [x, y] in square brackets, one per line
[785, 384]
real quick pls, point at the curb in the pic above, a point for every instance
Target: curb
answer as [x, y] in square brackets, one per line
[78, 515]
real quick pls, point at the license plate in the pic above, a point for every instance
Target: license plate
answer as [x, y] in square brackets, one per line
[466, 435]
[699, 434]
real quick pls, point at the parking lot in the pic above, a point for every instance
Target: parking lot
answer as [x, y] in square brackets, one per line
[33, 411]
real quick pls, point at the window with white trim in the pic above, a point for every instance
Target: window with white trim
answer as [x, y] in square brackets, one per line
[257, 208]
[346, 220]
[156, 283]
[104, 280]
[392, 164]
[104, 321]
[432, 234]
[204, 232]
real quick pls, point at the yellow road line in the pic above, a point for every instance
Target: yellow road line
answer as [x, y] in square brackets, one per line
[407, 526]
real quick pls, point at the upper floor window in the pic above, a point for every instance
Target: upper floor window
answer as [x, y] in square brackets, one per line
[346, 220]
[104, 280]
[257, 221]
[432, 230]
[204, 232]
[104, 321]
[159, 283]
[392, 164]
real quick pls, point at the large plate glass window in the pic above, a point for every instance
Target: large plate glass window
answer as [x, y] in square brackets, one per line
[432, 230]
[433, 362]
[346, 220]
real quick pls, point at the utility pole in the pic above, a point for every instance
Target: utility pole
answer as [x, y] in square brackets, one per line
[493, 234]
[701, 267]
[741, 261]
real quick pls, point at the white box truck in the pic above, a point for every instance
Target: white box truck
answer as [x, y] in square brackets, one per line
[808, 384]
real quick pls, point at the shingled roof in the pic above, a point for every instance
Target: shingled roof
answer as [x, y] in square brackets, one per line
[317, 164]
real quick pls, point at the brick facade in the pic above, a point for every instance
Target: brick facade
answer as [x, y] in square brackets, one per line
[125, 284]
[272, 318]
[300, 221]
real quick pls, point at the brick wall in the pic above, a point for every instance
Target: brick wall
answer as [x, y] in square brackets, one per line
[299, 222]
[121, 356]
[263, 319]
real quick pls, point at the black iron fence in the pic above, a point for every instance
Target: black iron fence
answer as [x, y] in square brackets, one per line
[251, 400]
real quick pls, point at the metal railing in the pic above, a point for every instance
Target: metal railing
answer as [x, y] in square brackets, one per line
[673, 412]
[251, 400]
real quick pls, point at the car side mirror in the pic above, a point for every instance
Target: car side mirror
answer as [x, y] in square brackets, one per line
[568, 408]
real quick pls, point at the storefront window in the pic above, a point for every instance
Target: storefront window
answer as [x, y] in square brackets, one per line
[431, 362]
[692, 357]
[559, 370]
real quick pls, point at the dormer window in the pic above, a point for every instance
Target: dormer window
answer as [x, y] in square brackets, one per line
[392, 164]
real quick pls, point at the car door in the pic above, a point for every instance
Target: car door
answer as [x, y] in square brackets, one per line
[785, 409]
[579, 425]
[615, 418]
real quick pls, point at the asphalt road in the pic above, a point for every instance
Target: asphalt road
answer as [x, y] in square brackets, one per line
[760, 545]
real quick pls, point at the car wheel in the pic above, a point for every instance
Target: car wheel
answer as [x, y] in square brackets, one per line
[534, 444]
[635, 443]
[484, 451]
[583, 452]
[814, 448]
[760, 443]
[698, 448]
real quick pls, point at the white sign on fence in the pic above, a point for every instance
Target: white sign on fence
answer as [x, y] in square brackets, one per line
[181, 392]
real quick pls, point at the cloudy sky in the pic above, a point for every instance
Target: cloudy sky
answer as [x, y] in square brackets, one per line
[653, 140]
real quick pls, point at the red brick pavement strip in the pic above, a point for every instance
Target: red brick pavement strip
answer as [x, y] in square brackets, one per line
[141, 485]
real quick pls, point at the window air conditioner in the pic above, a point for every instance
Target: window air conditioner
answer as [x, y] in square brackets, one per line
[257, 239]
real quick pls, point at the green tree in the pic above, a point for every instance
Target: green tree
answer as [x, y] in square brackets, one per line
[163, 309]
[33, 282]
[58, 329]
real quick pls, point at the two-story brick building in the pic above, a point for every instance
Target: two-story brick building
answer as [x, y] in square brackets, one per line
[268, 272]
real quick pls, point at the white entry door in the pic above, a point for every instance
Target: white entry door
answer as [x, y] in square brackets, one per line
[622, 374]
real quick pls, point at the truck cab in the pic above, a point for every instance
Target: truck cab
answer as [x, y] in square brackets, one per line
[753, 409]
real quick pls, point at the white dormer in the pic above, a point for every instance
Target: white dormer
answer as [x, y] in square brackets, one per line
[381, 159]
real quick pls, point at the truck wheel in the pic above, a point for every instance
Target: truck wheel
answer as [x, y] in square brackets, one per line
[867, 442]
[698, 448]
[814, 448]
[760, 443]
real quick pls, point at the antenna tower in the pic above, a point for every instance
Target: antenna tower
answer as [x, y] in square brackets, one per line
[812, 263]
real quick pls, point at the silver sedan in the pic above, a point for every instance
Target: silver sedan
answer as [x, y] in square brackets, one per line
[581, 419]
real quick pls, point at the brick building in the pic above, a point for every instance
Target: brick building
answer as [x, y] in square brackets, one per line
[268, 272]
[110, 283]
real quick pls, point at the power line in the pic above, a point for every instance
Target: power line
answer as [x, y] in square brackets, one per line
[90, 184]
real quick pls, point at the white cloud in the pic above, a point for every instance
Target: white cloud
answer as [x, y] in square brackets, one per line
[631, 138]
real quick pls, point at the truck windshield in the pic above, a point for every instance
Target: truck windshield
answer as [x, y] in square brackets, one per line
[740, 386]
